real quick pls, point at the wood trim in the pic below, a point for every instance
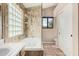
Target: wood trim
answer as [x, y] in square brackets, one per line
[34, 53]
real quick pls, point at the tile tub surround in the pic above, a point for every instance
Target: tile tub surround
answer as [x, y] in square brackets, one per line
[33, 43]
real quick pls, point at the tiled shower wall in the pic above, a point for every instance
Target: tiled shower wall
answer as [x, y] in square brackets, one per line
[34, 26]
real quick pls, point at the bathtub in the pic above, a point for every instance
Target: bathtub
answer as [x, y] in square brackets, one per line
[33, 44]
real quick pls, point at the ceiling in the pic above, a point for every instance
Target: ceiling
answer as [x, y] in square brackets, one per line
[28, 5]
[44, 5]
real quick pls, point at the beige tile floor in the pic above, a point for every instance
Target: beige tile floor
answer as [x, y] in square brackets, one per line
[51, 50]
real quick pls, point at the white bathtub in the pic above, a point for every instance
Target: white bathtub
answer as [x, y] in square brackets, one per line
[33, 44]
[1, 42]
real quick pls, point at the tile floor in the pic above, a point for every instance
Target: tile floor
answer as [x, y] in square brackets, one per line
[51, 50]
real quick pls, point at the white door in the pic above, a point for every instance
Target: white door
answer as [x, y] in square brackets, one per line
[65, 30]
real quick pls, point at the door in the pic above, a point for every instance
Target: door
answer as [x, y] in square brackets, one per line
[65, 30]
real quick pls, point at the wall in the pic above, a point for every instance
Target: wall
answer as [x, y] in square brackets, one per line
[33, 38]
[49, 34]
[34, 22]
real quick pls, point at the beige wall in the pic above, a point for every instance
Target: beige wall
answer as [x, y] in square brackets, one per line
[49, 34]
[47, 11]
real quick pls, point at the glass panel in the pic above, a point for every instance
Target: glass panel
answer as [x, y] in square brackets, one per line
[10, 28]
[44, 22]
[10, 16]
[10, 22]
[10, 10]
[50, 22]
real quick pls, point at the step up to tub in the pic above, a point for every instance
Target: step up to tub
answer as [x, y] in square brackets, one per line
[32, 52]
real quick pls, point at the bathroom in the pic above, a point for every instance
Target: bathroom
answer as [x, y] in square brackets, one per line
[33, 29]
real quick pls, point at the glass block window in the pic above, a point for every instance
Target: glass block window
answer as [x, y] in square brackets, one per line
[15, 20]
